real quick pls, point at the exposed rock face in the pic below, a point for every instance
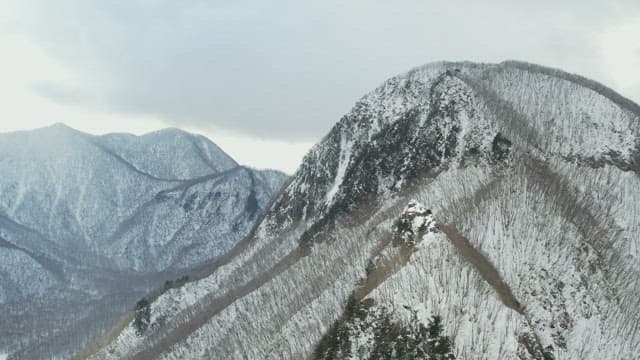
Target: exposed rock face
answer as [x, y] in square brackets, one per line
[88, 224]
[413, 223]
[532, 175]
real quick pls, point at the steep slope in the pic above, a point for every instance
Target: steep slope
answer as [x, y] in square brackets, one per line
[88, 224]
[532, 178]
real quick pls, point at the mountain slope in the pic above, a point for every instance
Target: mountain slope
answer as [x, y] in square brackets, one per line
[169, 154]
[531, 176]
[88, 224]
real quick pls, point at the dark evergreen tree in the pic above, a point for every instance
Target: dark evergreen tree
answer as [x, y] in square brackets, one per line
[435, 327]
[142, 316]
[439, 345]
[391, 340]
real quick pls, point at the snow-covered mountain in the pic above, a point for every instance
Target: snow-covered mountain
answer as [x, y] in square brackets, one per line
[485, 211]
[89, 224]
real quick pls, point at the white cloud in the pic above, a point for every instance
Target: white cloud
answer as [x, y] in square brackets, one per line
[23, 65]
[260, 153]
[283, 72]
[620, 46]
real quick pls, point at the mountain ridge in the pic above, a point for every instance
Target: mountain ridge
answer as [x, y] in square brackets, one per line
[537, 171]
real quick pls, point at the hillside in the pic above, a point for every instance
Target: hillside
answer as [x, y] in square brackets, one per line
[502, 199]
[89, 224]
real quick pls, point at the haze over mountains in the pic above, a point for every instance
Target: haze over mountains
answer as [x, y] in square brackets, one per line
[502, 199]
[89, 224]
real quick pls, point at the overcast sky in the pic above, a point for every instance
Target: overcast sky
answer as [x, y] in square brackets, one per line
[267, 79]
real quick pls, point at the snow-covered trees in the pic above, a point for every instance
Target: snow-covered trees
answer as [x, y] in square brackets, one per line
[546, 250]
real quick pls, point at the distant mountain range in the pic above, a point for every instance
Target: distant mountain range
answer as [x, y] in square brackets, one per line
[89, 224]
[482, 211]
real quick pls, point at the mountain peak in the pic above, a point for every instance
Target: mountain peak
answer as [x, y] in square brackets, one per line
[168, 131]
[170, 153]
[533, 174]
[447, 113]
[62, 126]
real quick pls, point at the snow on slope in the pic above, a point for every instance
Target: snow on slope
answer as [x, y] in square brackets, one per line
[534, 173]
[169, 153]
[88, 224]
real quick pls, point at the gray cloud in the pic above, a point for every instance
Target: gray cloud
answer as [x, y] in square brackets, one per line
[290, 69]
